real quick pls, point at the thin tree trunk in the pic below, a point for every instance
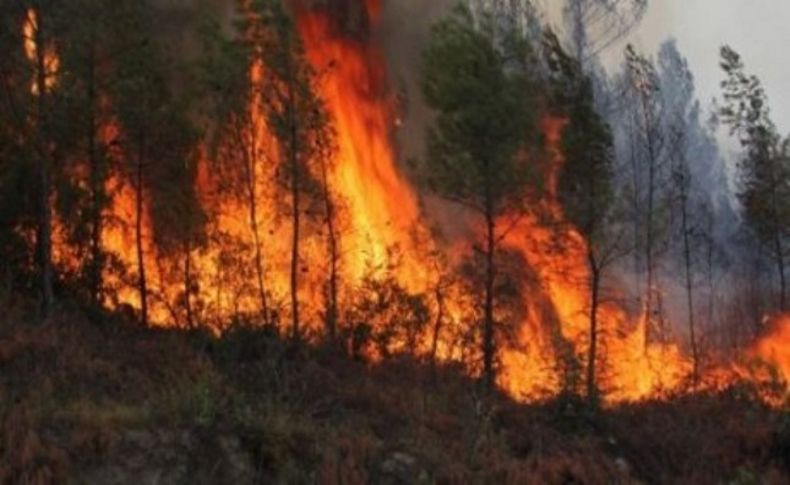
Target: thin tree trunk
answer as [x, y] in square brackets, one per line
[44, 242]
[689, 286]
[295, 251]
[579, 32]
[488, 323]
[592, 355]
[142, 284]
[96, 256]
[711, 296]
[293, 156]
[188, 283]
[595, 269]
[637, 186]
[250, 165]
[332, 310]
[651, 188]
[437, 326]
[780, 267]
[778, 253]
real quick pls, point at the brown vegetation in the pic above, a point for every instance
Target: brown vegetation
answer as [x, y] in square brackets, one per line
[95, 398]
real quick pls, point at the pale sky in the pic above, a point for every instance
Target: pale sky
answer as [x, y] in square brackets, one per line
[758, 29]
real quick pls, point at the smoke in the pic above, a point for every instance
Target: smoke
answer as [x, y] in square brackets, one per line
[404, 32]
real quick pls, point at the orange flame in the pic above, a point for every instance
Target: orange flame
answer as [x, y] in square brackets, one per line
[382, 211]
[774, 347]
[383, 206]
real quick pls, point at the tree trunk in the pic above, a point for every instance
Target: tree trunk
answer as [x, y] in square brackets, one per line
[637, 187]
[780, 267]
[709, 275]
[437, 327]
[142, 284]
[331, 310]
[295, 251]
[96, 257]
[44, 236]
[579, 32]
[777, 233]
[592, 354]
[488, 322]
[250, 166]
[650, 236]
[689, 286]
[188, 283]
[293, 156]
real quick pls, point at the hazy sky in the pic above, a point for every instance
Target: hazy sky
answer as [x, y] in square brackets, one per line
[758, 29]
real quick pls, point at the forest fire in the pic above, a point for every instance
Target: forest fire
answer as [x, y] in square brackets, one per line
[388, 241]
[383, 208]
[242, 269]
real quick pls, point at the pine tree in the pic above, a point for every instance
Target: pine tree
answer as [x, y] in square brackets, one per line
[484, 98]
[586, 184]
[765, 166]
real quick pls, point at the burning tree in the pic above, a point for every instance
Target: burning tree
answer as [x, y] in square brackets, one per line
[586, 185]
[484, 98]
[243, 221]
[299, 122]
[157, 143]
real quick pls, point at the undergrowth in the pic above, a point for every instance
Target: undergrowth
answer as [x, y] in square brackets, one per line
[71, 389]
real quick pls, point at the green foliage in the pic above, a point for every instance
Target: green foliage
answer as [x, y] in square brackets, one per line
[485, 98]
[585, 184]
[477, 76]
[765, 166]
[765, 171]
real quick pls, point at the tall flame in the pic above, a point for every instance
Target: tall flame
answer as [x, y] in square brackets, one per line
[383, 206]
[382, 211]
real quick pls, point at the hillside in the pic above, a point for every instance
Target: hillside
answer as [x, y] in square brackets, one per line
[92, 398]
